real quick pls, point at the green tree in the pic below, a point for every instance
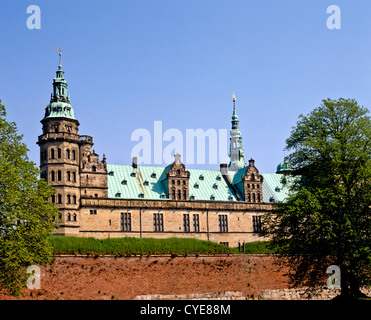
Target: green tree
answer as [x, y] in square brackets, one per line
[27, 218]
[327, 217]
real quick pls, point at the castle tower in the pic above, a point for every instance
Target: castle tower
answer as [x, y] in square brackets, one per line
[60, 154]
[236, 154]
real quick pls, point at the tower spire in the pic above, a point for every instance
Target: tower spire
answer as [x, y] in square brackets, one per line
[59, 105]
[236, 153]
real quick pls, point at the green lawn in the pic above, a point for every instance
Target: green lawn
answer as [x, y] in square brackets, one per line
[146, 246]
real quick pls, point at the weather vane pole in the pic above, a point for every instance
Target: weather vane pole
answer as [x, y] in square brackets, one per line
[60, 54]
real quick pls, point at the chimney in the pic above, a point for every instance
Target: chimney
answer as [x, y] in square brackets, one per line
[135, 162]
[224, 169]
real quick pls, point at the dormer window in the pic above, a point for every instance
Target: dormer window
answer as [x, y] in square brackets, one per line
[146, 183]
[163, 195]
[277, 189]
[192, 197]
[111, 173]
[230, 198]
[212, 197]
[141, 195]
[196, 186]
[118, 195]
[124, 182]
[218, 178]
[153, 175]
[215, 186]
[201, 177]
[133, 174]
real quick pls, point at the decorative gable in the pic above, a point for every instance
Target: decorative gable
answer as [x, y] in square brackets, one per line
[253, 184]
[178, 180]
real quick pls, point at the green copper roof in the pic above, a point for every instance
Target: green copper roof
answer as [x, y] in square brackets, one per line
[273, 189]
[59, 106]
[149, 182]
[125, 182]
[283, 166]
[59, 109]
[211, 186]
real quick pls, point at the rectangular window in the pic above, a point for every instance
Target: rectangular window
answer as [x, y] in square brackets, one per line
[158, 222]
[196, 223]
[256, 224]
[186, 222]
[223, 223]
[126, 221]
[93, 211]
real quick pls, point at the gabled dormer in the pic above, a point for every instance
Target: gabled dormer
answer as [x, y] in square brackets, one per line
[178, 180]
[253, 184]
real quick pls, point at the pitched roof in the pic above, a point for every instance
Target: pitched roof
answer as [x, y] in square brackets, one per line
[149, 182]
[273, 187]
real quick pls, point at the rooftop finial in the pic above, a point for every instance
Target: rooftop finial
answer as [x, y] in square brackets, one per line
[60, 55]
[234, 103]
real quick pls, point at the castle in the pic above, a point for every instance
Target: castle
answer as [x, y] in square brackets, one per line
[101, 200]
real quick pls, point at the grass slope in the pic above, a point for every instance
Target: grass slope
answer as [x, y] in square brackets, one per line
[146, 246]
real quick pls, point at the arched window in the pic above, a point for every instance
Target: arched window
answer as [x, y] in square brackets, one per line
[59, 153]
[53, 198]
[68, 176]
[52, 176]
[258, 197]
[249, 197]
[94, 168]
[253, 197]
[73, 155]
[59, 175]
[51, 153]
[74, 217]
[59, 198]
[68, 216]
[178, 171]
[68, 199]
[74, 199]
[173, 194]
[68, 153]
[184, 195]
[74, 176]
[179, 195]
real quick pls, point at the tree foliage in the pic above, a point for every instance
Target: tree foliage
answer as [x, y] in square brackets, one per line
[27, 218]
[327, 217]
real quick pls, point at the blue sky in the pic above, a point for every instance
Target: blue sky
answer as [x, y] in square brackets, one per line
[129, 63]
